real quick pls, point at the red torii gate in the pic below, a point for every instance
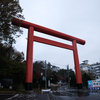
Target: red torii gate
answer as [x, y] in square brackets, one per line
[29, 65]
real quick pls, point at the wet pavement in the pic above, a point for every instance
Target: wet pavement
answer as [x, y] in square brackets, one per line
[62, 93]
[27, 96]
[5, 96]
[93, 97]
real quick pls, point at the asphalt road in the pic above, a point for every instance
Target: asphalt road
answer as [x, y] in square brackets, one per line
[5, 96]
[90, 97]
[26, 96]
[32, 96]
[62, 93]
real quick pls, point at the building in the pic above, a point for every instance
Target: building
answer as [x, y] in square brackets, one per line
[84, 66]
[94, 69]
[54, 68]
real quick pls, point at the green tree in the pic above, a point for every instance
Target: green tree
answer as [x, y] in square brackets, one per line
[11, 61]
[38, 67]
[8, 10]
[54, 77]
[72, 78]
[48, 65]
[62, 72]
[91, 75]
[12, 68]
[85, 78]
[18, 56]
[49, 71]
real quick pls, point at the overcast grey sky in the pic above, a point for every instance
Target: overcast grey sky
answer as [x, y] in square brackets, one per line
[78, 18]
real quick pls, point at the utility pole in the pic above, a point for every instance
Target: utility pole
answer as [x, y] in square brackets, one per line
[45, 75]
[68, 75]
[11, 42]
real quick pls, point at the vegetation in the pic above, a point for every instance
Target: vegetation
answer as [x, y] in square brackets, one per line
[85, 79]
[54, 77]
[8, 10]
[12, 67]
[11, 61]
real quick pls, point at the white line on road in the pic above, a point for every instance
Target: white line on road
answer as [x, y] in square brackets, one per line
[12, 97]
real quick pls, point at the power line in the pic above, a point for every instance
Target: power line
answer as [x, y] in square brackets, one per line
[50, 62]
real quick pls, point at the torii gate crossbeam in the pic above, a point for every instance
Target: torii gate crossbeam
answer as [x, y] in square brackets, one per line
[29, 65]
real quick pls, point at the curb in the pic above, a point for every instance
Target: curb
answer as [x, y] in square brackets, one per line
[51, 97]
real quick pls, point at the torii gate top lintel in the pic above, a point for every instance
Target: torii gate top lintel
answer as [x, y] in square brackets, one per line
[45, 30]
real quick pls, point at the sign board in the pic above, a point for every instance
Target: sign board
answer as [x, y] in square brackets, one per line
[48, 83]
[94, 84]
[44, 78]
[46, 90]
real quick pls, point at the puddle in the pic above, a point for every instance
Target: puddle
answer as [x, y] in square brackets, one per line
[72, 93]
[64, 91]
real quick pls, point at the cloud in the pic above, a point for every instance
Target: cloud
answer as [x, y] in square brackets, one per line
[79, 18]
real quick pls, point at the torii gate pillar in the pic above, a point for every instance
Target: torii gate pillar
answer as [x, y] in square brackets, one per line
[77, 66]
[29, 59]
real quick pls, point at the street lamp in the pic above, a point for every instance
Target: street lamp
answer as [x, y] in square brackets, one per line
[40, 81]
[68, 76]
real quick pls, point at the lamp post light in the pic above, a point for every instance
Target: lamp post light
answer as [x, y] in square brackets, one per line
[68, 76]
[40, 81]
[45, 75]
